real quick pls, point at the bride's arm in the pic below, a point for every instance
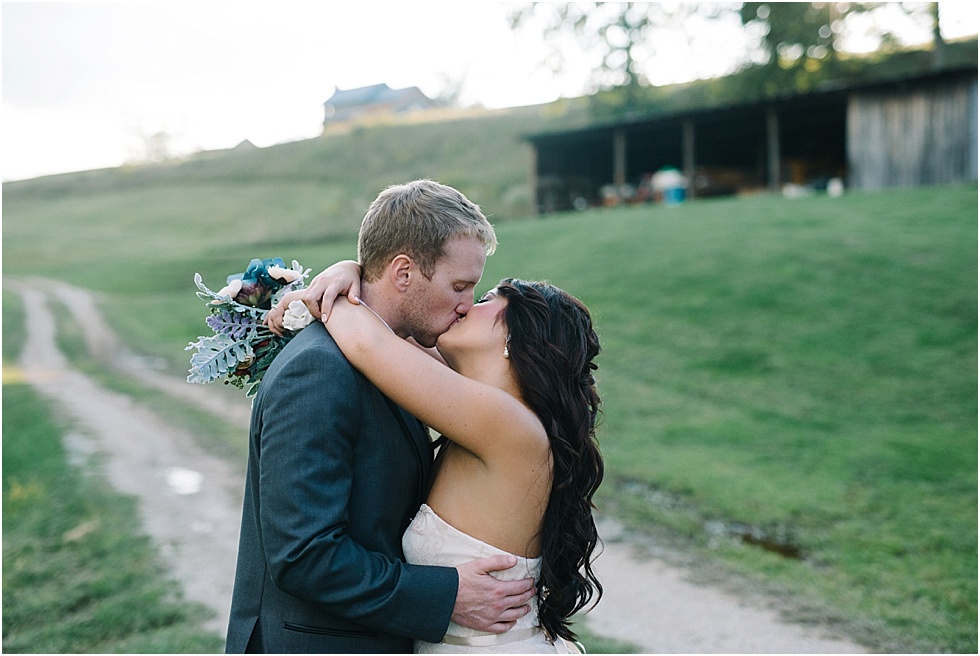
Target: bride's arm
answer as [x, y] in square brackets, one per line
[481, 418]
[432, 352]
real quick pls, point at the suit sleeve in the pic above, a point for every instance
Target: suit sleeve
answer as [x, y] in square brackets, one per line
[309, 429]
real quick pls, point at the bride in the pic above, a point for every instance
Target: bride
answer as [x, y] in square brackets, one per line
[519, 464]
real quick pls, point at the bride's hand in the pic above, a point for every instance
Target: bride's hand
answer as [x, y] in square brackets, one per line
[273, 320]
[340, 279]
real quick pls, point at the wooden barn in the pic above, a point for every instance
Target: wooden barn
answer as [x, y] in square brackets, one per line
[915, 131]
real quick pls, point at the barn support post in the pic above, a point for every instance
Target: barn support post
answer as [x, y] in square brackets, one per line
[971, 139]
[772, 145]
[619, 158]
[687, 152]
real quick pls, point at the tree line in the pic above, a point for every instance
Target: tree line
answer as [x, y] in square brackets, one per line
[789, 46]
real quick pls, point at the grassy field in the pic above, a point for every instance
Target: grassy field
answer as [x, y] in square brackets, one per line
[77, 578]
[790, 385]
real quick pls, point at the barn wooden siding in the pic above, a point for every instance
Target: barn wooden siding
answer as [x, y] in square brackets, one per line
[912, 136]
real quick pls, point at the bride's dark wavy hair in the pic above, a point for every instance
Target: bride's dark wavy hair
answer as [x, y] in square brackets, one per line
[551, 348]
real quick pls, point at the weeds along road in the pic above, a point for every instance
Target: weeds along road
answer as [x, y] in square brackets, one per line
[190, 505]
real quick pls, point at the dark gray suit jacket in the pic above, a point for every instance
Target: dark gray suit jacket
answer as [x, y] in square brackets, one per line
[335, 474]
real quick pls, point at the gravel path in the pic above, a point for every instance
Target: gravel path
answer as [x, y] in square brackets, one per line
[190, 503]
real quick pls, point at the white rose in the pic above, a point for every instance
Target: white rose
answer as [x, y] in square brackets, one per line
[296, 316]
[231, 289]
[283, 274]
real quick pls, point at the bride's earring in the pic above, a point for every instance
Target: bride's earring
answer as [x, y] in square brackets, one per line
[507, 348]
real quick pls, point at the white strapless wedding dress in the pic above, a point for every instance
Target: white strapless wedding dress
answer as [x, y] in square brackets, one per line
[431, 541]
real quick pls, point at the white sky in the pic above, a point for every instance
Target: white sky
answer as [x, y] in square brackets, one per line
[84, 82]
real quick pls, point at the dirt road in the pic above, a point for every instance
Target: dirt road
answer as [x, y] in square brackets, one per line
[190, 503]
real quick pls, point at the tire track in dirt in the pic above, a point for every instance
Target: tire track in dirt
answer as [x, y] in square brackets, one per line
[190, 503]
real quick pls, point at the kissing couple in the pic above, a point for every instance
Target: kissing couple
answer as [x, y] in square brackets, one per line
[363, 534]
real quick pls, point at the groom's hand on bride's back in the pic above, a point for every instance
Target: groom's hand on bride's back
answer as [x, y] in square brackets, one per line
[485, 603]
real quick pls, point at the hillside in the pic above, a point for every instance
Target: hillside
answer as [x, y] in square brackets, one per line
[480, 152]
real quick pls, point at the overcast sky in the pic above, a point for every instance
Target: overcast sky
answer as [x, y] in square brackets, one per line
[84, 83]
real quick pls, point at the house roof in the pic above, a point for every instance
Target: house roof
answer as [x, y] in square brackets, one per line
[369, 95]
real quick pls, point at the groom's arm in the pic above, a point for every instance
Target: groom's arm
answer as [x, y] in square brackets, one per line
[309, 433]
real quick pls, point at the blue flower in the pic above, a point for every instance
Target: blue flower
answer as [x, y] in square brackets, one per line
[257, 285]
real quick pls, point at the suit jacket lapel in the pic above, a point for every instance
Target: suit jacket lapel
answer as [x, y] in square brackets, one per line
[415, 433]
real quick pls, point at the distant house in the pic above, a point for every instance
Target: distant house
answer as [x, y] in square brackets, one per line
[375, 100]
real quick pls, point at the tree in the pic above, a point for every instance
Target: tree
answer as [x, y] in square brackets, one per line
[153, 148]
[938, 42]
[800, 44]
[618, 37]
[793, 46]
[451, 87]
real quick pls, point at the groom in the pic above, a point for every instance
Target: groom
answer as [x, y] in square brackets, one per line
[336, 471]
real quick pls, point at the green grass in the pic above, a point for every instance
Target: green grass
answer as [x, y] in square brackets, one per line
[805, 367]
[77, 578]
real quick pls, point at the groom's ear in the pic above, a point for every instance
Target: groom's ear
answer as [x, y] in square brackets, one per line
[401, 269]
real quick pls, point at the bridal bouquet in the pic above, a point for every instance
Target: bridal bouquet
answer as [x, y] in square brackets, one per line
[242, 347]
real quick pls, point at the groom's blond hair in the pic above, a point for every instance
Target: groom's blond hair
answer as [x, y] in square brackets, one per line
[417, 219]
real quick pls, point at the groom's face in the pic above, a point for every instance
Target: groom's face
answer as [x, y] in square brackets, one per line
[432, 306]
